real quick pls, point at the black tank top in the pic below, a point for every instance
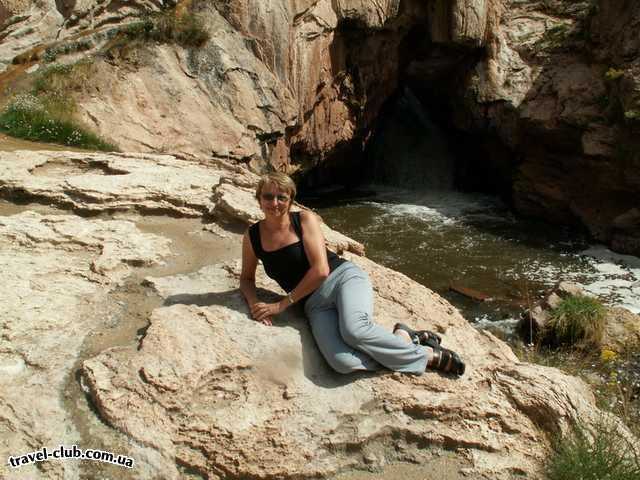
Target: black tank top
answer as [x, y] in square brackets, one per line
[289, 264]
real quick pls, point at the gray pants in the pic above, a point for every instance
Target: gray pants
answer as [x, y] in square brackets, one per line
[340, 313]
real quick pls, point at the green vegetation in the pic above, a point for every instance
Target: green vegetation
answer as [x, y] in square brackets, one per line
[613, 74]
[598, 456]
[46, 114]
[577, 321]
[557, 37]
[51, 53]
[167, 27]
[30, 118]
[62, 79]
[633, 115]
[614, 377]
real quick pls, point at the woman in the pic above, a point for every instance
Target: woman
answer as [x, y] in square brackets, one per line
[337, 295]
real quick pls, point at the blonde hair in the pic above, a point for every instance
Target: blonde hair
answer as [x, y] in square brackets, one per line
[281, 180]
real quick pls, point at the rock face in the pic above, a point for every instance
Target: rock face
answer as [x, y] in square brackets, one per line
[275, 76]
[551, 87]
[559, 87]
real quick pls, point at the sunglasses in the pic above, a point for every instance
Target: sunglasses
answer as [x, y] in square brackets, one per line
[269, 197]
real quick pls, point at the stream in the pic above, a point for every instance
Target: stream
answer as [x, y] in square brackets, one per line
[444, 238]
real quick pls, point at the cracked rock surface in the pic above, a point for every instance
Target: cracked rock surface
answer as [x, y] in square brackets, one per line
[204, 389]
[56, 269]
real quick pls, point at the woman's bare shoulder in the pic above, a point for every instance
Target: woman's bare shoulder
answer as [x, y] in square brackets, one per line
[309, 216]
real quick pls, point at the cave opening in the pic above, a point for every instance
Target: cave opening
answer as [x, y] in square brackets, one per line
[415, 141]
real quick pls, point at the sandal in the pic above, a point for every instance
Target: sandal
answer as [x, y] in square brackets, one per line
[420, 337]
[447, 361]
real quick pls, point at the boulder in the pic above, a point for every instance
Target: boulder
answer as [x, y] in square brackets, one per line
[205, 388]
[622, 331]
[225, 395]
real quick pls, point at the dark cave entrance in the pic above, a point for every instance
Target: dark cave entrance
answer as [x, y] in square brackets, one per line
[416, 142]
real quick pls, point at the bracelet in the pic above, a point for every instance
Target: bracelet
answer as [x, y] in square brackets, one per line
[290, 297]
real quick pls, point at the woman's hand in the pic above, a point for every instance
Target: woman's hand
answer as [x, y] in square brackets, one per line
[263, 312]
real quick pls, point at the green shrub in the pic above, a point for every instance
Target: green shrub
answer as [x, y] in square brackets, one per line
[47, 119]
[578, 320]
[51, 53]
[167, 27]
[613, 74]
[603, 455]
[63, 78]
[633, 115]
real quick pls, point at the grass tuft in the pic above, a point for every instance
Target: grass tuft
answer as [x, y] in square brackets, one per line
[168, 27]
[613, 74]
[46, 114]
[47, 120]
[577, 321]
[598, 456]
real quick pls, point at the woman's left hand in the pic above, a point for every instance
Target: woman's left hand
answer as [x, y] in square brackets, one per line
[263, 312]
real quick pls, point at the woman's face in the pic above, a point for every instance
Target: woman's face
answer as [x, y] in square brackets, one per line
[273, 201]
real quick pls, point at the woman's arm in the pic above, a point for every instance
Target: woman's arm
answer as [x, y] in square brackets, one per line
[316, 251]
[248, 278]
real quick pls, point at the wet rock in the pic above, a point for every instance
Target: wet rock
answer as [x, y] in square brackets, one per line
[553, 301]
[566, 289]
[626, 232]
[532, 322]
[57, 274]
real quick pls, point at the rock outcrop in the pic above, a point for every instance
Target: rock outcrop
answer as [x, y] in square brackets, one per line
[559, 88]
[207, 389]
[95, 182]
[621, 328]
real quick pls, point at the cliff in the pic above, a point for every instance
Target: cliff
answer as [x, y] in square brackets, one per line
[547, 91]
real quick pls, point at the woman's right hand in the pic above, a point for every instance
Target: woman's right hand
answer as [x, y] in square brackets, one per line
[257, 312]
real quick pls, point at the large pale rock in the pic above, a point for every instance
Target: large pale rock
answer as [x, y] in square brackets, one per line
[622, 330]
[462, 22]
[213, 391]
[225, 395]
[57, 272]
[98, 182]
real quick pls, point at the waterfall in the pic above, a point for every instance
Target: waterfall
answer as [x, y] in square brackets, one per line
[408, 149]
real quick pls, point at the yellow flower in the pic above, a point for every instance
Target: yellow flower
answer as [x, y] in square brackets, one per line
[608, 355]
